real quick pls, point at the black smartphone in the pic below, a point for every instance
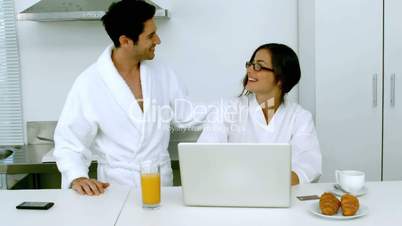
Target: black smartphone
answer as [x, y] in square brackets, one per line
[35, 205]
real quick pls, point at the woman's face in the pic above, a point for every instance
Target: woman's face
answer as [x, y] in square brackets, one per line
[262, 82]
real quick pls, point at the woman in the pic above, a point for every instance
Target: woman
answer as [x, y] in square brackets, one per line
[262, 115]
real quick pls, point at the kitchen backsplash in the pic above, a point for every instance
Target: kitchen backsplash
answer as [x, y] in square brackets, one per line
[41, 129]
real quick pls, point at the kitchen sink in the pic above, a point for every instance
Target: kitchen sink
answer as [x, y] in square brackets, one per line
[5, 153]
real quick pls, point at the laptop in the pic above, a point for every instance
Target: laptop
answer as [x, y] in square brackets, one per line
[235, 174]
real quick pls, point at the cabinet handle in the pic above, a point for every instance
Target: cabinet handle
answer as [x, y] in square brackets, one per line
[375, 89]
[393, 90]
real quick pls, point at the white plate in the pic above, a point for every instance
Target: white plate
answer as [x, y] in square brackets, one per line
[315, 209]
[338, 192]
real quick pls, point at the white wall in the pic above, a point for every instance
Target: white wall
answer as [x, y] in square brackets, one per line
[52, 56]
[306, 25]
[205, 41]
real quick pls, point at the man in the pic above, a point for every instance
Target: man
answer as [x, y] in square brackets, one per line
[121, 107]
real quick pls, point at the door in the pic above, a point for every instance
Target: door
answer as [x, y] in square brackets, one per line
[392, 152]
[348, 59]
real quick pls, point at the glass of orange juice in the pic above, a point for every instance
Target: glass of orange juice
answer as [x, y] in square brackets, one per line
[150, 184]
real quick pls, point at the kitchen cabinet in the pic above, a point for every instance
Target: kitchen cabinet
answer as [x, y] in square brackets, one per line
[24, 168]
[358, 113]
[3, 182]
[392, 143]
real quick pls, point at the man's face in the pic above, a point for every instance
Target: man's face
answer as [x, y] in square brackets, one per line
[147, 41]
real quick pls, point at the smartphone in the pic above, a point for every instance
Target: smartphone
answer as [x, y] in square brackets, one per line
[35, 205]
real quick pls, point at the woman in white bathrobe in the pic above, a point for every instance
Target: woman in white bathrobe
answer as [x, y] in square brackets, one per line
[262, 115]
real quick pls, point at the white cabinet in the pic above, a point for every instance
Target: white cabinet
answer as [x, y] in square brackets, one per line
[392, 145]
[354, 61]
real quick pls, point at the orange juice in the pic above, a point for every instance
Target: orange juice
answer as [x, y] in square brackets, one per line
[151, 189]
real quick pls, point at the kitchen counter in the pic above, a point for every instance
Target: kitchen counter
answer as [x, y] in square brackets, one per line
[28, 159]
[382, 201]
[121, 206]
[69, 208]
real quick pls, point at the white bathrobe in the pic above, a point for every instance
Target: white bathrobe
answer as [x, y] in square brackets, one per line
[101, 116]
[241, 121]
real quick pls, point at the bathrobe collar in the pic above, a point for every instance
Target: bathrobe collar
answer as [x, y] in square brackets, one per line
[257, 115]
[121, 91]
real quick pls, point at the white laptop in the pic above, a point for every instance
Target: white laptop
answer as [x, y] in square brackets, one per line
[234, 174]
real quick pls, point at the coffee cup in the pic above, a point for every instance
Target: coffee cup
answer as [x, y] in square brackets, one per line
[351, 181]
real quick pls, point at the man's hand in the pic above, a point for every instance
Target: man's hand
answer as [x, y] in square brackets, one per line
[86, 186]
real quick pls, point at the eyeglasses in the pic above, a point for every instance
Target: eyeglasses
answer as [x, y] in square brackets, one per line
[257, 66]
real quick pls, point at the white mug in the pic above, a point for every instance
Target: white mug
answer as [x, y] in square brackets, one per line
[350, 180]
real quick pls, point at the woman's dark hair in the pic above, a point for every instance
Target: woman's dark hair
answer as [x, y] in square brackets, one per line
[127, 18]
[285, 65]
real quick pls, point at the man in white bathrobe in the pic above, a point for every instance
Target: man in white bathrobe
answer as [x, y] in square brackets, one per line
[121, 107]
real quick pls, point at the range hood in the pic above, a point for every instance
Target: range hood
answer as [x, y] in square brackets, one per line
[70, 10]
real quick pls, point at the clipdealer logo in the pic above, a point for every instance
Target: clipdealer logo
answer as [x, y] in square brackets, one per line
[229, 115]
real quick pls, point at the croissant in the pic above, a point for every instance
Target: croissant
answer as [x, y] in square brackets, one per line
[350, 205]
[329, 204]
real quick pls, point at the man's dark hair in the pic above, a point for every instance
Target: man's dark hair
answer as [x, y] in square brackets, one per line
[285, 64]
[127, 18]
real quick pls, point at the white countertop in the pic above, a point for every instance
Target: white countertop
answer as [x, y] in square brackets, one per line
[70, 208]
[382, 199]
[121, 206]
